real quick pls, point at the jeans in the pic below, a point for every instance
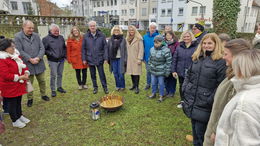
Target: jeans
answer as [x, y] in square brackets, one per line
[42, 84]
[198, 131]
[170, 84]
[83, 80]
[119, 77]
[14, 107]
[56, 69]
[101, 74]
[148, 75]
[155, 81]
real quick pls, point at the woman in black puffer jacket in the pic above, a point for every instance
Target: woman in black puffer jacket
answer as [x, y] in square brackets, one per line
[200, 83]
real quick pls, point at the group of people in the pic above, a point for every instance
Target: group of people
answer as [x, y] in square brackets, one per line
[218, 77]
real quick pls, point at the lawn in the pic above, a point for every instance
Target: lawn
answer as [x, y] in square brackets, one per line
[65, 120]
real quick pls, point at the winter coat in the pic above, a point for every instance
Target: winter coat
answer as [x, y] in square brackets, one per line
[199, 38]
[123, 54]
[55, 48]
[10, 85]
[148, 44]
[31, 48]
[200, 85]
[239, 124]
[74, 53]
[182, 60]
[223, 95]
[94, 49]
[135, 52]
[173, 46]
[160, 60]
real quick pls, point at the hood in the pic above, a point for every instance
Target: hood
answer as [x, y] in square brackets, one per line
[4, 55]
[246, 84]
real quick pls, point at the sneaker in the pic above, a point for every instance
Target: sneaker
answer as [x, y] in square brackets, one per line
[61, 90]
[179, 105]
[30, 102]
[95, 90]
[147, 87]
[106, 90]
[117, 89]
[6, 112]
[24, 120]
[161, 99]
[152, 96]
[46, 98]
[18, 124]
[80, 87]
[85, 87]
[53, 94]
[136, 90]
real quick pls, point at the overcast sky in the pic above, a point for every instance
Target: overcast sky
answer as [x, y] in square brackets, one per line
[61, 3]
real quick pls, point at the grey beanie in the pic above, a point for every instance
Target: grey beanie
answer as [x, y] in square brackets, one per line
[158, 38]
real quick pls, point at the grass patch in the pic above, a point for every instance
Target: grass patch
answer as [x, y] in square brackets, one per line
[65, 120]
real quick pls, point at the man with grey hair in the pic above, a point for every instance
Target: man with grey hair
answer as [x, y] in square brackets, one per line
[95, 53]
[32, 51]
[55, 50]
[148, 44]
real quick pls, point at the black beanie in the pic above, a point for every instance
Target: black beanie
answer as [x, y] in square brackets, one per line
[5, 43]
[199, 26]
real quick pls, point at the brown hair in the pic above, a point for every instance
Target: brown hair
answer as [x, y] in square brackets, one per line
[172, 34]
[235, 46]
[71, 36]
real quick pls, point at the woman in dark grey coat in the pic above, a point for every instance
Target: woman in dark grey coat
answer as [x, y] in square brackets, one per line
[117, 56]
[201, 81]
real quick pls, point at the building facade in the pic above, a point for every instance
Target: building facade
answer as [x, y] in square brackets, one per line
[4, 6]
[23, 7]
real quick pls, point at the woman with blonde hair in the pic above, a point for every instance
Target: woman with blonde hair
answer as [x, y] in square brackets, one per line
[201, 81]
[74, 55]
[182, 58]
[117, 56]
[135, 52]
[239, 124]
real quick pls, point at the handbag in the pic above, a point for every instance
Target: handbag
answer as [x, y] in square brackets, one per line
[29, 87]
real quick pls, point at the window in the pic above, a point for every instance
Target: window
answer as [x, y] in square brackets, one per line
[26, 7]
[169, 12]
[102, 4]
[194, 11]
[203, 10]
[143, 11]
[144, 1]
[125, 12]
[108, 3]
[98, 4]
[115, 12]
[154, 11]
[180, 12]
[132, 12]
[124, 2]
[94, 4]
[163, 1]
[112, 1]
[115, 2]
[14, 5]
[95, 13]
[163, 12]
[111, 12]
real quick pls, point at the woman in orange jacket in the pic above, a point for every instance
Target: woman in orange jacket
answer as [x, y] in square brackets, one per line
[74, 44]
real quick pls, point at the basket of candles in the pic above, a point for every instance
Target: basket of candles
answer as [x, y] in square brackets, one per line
[111, 102]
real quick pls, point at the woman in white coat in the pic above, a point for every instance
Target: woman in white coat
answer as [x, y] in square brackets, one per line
[239, 124]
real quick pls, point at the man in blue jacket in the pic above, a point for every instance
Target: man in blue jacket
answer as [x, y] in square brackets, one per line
[94, 53]
[148, 44]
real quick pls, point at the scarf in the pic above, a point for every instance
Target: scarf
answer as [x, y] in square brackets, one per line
[130, 39]
[198, 34]
[116, 41]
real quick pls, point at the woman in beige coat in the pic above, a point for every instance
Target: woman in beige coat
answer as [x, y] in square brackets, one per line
[135, 52]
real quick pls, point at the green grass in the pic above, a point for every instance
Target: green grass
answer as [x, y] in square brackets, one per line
[65, 120]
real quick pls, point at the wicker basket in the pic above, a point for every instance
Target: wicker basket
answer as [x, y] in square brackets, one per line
[111, 102]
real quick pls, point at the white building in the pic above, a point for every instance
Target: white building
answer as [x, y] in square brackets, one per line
[4, 6]
[22, 7]
[82, 8]
[184, 15]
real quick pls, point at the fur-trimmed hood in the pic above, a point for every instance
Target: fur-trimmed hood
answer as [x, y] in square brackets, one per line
[4, 55]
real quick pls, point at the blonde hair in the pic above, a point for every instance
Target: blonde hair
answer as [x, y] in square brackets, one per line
[137, 34]
[116, 27]
[190, 33]
[217, 52]
[246, 64]
[71, 35]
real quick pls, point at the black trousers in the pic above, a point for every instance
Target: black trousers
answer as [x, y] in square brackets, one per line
[135, 80]
[14, 107]
[181, 80]
[81, 81]
[5, 105]
[101, 74]
[198, 131]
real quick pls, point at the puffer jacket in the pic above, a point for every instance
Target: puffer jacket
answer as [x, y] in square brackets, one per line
[148, 44]
[199, 87]
[160, 60]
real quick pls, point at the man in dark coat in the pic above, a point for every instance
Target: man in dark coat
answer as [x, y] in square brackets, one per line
[32, 51]
[198, 31]
[55, 50]
[95, 53]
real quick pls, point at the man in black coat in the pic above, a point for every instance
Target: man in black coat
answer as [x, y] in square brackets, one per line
[198, 31]
[95, 53]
